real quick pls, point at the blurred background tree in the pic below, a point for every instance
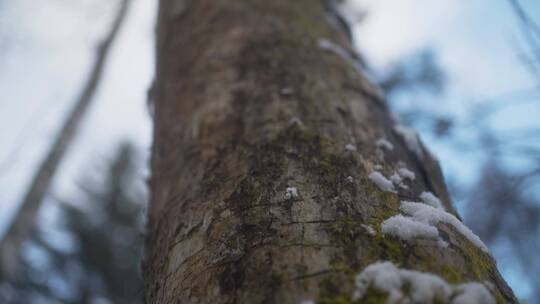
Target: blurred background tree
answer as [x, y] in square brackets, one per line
[104, 226]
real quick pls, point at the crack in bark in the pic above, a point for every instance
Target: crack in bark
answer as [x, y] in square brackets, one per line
[312, 275]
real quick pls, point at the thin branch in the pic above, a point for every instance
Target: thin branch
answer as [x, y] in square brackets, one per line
[23, 221]
[530, 30]
[22, 138]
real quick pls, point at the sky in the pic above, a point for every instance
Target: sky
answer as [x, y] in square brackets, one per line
[41, 74]
[475, 42]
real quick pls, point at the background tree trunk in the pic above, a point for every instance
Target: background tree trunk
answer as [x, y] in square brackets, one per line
[265, 137]
[25, 218]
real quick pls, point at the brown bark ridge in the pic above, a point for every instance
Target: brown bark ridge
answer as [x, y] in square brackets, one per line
[264, 140]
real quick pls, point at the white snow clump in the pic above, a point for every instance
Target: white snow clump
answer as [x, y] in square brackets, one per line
[291, 192]
[422, 287]
[382, 182]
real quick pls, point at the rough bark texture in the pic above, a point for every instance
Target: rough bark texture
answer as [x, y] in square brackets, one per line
[234, 78]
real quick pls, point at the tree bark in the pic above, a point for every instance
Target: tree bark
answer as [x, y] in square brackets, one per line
[264, 140]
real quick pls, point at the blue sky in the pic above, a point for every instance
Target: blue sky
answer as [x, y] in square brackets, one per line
[48, 53]
[476, 43]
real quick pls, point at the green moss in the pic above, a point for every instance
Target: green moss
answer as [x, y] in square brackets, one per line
[372, 296]
[314, 27]
[276, 278]
[387, 248]
[301, 15]
[317, 153]
[481, 265]
[327, 163]
[307, 16]
[345, 229]
[450, 274]
[335, 300]
[388, 199]
[499, 297]
[480, 262]
[387, 204]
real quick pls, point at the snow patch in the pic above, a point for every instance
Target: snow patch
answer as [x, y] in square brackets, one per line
[350, 147]
[442, 244]
[329, 46]
[407, 228]
[411, 138]
[350, 179]
[398, 181]
[430, 199]
[431, 154]
[406, 174]
[395, 178]
[291, 192]
[207, 221]
[286, 91]
[432, 216]
[422, 287]
[386, 277]
[382, 182]
[295, 121]
[420, 221]
[369, 229]
[473, 293]
[383, 143]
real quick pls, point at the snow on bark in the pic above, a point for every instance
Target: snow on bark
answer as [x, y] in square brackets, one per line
[291, 193]
[473, 293]
[422, 287]
[295, 121]
[407, 228]
[398, 180]
[432, 216]
[383, 143]
[406, 174]
[430, 199]
[420, 221]
[369, 229]
[350, 147]
[411, 138]
[382, 182]
[329, 46]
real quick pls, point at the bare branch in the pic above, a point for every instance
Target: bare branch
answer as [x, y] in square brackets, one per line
[23, 221]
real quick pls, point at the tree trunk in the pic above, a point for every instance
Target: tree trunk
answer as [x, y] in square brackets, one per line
[268, 169]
